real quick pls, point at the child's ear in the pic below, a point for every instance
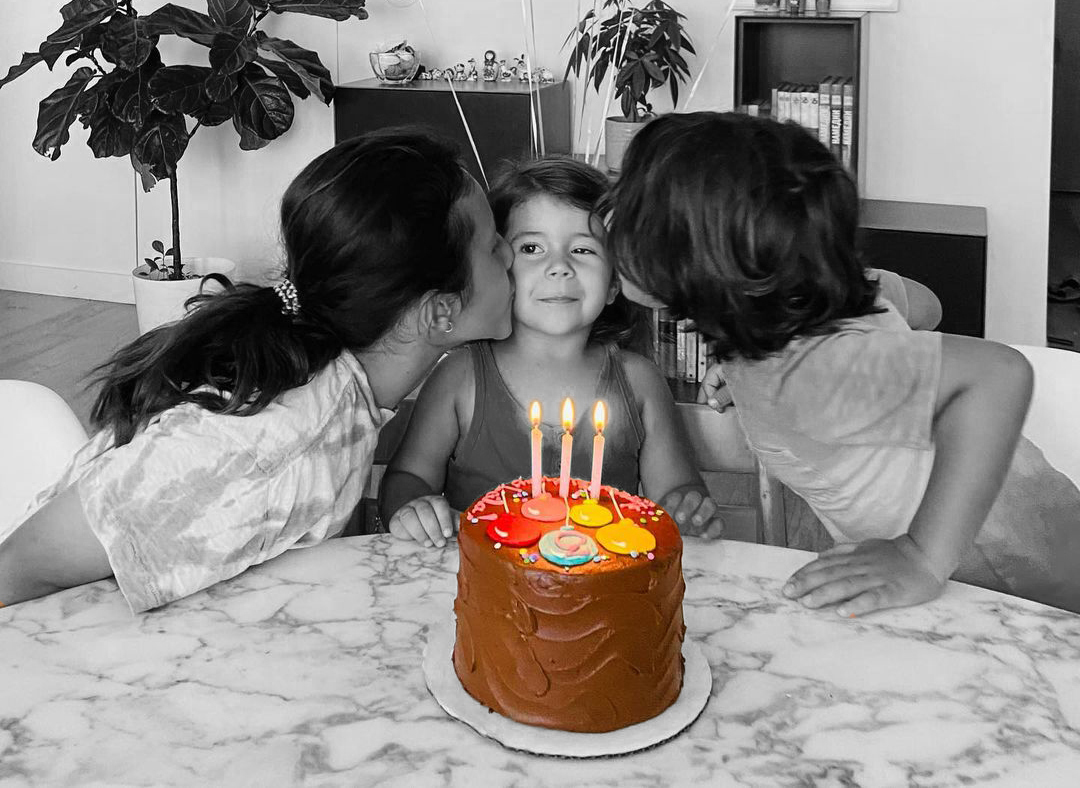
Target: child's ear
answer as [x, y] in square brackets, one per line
[614, 288]
[438, 312]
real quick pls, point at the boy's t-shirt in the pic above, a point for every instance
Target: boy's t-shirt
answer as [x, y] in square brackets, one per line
[198, 497]
[845, 420]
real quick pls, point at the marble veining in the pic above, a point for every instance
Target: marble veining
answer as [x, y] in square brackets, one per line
[307, 671]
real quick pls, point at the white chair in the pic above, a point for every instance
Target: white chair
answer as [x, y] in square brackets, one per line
[39, 434]
[1053, 420]
[720, 449]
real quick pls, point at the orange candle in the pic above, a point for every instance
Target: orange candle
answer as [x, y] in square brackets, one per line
[599, 419]
[567, 447]
[536, 438]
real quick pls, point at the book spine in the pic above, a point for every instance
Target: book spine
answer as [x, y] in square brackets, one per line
[703, 358]
[690, 373]
[812, 118]
[775, 103]
[784, 97]
[824, 106]
[836, 116]
[680, 351]
[804, 107]
[849, 122]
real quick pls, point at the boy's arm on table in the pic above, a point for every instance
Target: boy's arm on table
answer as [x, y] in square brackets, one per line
[53, 550]
[982, 398]
[410, 497]
[667, 471]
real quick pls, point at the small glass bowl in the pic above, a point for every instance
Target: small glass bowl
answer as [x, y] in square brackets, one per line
[398, 65]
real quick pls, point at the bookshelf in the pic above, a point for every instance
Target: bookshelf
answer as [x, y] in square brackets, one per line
[772, 50]
[497, 112]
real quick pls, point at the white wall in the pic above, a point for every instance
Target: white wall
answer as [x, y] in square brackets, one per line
[959, 112]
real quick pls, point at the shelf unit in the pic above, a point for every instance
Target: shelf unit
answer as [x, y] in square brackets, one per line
[774, 48]
[497, 112]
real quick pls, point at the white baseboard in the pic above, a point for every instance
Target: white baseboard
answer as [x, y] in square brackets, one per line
[69, 282]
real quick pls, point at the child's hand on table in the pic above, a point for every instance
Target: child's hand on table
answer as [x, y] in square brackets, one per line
[862, 577]
[694, 512]
[428, 519]
[714, 391]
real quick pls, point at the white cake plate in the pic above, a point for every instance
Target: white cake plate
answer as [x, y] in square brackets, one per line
[444, 685]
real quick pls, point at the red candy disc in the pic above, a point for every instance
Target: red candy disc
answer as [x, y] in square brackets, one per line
[513, 531]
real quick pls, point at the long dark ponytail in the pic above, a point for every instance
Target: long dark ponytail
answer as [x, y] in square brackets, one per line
[368, 228]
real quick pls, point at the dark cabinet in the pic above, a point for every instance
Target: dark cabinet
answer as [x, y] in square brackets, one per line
[940, 246]
[498, 114]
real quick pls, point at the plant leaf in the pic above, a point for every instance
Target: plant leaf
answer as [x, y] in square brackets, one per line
[160, 144]
[168, 252]
[173, 20]
[178, 88]
[285, 74]
[125, 41]
[302, 62]
[109, 136]
[131, 100]
[230, 53]
[263, 109]
[79, 16]
[220, 87]
[159, 247]
[29, 60]
[235, 15]
[58, 111]
[328, 9]
[212, 113]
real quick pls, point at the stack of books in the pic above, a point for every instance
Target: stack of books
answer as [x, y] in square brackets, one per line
[681, 353]
[826, 108]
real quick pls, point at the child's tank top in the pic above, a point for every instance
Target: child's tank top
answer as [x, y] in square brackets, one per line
[497, 447]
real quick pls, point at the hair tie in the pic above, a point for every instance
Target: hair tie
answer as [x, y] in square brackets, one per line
[290, 303]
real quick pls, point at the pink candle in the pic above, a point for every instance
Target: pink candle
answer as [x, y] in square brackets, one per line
[599, 419]
[567, 447]
[536, 438]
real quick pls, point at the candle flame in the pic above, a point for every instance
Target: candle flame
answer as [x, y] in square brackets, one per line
[534, 413]
[568, 414]
[600, 416]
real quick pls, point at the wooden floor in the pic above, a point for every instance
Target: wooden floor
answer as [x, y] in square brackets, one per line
[58, 341]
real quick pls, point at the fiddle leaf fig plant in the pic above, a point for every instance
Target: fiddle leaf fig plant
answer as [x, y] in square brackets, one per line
[137, 106]
[644, 46]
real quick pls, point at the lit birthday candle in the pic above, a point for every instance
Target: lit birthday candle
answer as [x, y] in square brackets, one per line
[599, 419]
[536, 438]
[567, 447]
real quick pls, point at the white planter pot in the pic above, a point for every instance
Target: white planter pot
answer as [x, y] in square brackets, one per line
[617, 135]
[160, 301]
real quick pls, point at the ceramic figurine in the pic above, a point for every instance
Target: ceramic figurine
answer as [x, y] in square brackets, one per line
[491, 68]
[522, 68]
[505, 72]
[459, 72]
[472, 76]
[437, 73]
[546, 76]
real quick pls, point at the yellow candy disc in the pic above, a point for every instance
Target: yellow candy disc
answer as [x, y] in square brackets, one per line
[625, 537]
[590, 513]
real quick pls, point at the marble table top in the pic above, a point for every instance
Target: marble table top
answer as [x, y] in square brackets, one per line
[307, 671]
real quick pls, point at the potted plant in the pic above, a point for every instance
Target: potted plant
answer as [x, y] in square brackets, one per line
[137, 106]
[643, 45]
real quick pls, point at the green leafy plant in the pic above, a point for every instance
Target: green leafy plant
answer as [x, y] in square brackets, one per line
[158, 268]
[643, 44]
[134, 105]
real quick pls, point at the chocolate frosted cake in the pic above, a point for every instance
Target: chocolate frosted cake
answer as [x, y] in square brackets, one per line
[569, 619]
